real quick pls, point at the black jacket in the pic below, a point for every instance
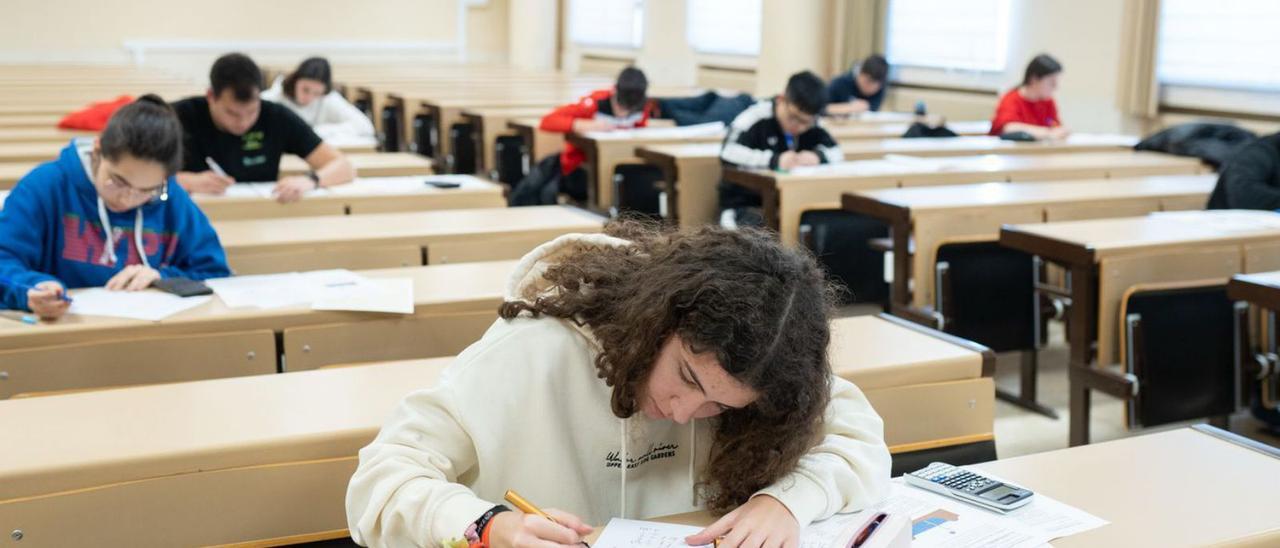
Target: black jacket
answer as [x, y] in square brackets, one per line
[756, 141]
[1251, 178]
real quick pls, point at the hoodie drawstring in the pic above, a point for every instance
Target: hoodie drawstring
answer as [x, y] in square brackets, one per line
[693, 456]
[624, 430]
[109, 252]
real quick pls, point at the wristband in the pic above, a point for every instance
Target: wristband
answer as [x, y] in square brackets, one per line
[478, 532]
[315, 178]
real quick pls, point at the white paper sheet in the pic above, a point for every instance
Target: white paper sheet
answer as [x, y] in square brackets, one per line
[150, 305]
[627, 533]
[1102, 139]
[281, 290]
[250, 190]
[388, 295]
[400, 185]
[710, 129]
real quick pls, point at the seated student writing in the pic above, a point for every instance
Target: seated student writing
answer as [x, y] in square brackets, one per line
[232, 135]
[308, 92]
[861, 89]
[106, 212]
[624, 106]
[1029, 108]
[633, 374]
[777, 133]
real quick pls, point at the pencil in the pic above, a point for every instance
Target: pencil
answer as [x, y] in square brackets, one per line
[527, 507]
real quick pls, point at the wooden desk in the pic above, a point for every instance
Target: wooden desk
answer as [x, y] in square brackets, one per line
[362, 196]
[377, 164]
[487, 124]
[246, 459]
[936, 215]
[1220, 497]
[45, 150]
[381, 240]
[1104, 258]
[40, 135]
[371, 164]
[537, 142]
[692, 171]
[787, 195]
[438, 290]
[29, 120]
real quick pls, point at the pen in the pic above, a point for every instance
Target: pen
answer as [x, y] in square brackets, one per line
[868, 530]
[208, 160]
[26, 287]
[527, 507]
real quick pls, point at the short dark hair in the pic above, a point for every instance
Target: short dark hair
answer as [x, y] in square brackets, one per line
[146, 129]
[875, 67]
[313, 68]
[632, 89]
[1039, 67]
[807, 92]
[237, 72]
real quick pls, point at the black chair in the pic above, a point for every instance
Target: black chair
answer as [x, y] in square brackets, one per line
[511, 157]
[638, 189]
[422, 143]
[986, 293]
[1181, 351]
[463, 157]
[839, 239]
[391, 132]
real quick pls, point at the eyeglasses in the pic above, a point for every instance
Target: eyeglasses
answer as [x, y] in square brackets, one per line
[797, 118]
[158, 194]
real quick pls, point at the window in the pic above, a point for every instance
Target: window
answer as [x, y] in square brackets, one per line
[970, 35]
[727, 27]
[1228, 45]
[608, 23]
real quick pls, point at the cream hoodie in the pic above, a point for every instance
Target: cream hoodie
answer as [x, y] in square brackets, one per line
[331, 117]
[523, 409]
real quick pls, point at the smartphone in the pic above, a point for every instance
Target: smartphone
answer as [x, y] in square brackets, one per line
[442, 184]
[182, 287]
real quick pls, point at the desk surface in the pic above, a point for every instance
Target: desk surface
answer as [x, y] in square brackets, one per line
[881, 351]
[40, 134]
[985, 195]
[100, 437]
[415, 227]
[364, 195]
[444, 288]
[1184, 487]
[1095, 239]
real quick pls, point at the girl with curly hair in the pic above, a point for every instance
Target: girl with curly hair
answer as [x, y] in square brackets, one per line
[636, 373]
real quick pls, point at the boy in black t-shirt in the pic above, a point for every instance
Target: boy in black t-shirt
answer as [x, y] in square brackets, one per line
[860, 89]
[233, 131]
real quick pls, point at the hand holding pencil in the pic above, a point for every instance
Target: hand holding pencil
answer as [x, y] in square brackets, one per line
[532, 526]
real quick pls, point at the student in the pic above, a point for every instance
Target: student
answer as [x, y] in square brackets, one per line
[118, 188]
[778, 133]
[633, 374]
[309, 93]
[624, 106]
[1029, 108]
[245, 137]
[860, 89]
[1251, 178]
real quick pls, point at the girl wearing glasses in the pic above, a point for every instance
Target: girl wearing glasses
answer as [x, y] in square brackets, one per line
[107, 212]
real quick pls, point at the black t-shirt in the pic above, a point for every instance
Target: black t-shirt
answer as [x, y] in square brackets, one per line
[252, 157]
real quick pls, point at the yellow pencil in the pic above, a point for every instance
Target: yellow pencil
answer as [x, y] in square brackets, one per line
[527, 507]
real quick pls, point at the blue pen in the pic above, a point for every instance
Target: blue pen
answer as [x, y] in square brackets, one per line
[26, 287]
[791, 141]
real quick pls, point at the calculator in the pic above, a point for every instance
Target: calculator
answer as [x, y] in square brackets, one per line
[967, 486]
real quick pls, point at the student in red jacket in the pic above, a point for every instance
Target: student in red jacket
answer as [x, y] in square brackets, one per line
[624, 106]
[1029, 108]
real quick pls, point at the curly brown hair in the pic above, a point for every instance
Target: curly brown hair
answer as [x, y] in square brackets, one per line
[762, 308]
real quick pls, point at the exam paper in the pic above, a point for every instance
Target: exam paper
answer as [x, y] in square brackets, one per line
[150, 305]
[389, 295]
[250, 190]
[400, 185]
[281, 290]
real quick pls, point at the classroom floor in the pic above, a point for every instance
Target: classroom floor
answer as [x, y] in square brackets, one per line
[1021, 432]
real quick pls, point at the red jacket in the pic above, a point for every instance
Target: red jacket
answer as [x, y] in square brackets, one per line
[95, 116]
[1014, 107]
[594, 105]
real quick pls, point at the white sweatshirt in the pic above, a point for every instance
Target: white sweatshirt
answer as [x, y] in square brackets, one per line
[523, 409]
[331, 117]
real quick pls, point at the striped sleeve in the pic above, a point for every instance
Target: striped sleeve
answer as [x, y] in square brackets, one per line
[742, 146]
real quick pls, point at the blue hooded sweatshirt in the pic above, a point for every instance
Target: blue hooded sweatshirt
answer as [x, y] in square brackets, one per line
[50, 231]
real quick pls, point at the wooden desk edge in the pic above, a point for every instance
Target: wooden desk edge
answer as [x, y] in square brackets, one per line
[988, 356]
[1240, 288]
[1046, 247]
[1237, 439]
[753, 179]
